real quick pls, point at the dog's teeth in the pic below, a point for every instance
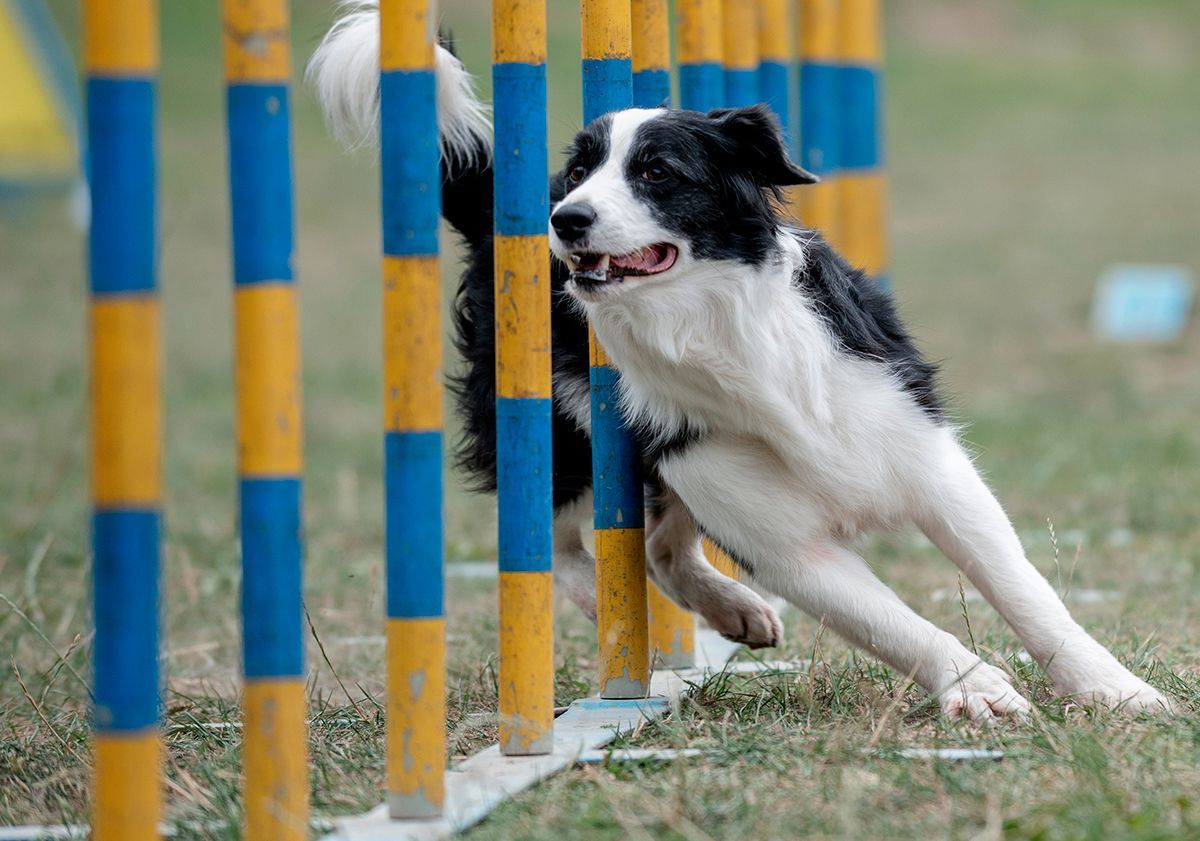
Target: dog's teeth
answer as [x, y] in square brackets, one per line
[574, 258]
[602, 266]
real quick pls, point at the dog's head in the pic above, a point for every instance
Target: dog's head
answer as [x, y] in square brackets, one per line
[649, 192]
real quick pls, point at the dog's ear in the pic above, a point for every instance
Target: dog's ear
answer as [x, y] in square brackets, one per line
[754, 139]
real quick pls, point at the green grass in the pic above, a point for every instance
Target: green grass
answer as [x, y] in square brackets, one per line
[1030, 145]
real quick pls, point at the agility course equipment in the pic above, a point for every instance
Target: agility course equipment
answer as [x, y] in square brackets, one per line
[524, 471]
[672, 629]
[861, 186]
[40, 109]
[701, 54]
[621, 619]
[121, 57]
[820, 134]
[625, 61]
[267, 377]
[841, 127]
[410, 182]
[739, 28]
[775, 60]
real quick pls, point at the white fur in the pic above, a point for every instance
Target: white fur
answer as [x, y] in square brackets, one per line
[573, 396]
[803, 447]
[344, 74]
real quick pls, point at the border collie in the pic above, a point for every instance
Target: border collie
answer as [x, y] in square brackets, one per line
[782, 407]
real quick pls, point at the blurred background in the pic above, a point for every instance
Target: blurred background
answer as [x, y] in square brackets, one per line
[1031, 145]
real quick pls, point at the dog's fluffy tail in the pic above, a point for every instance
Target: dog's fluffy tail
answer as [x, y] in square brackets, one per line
[344, 73]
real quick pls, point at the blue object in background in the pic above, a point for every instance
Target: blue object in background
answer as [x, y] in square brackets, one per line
[1142, 302]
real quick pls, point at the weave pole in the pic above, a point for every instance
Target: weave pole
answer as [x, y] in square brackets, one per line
[775, 61]
[701, 52]
[820, 132]
[862, 228]
[672, 629]
[412, 371]
[267, 374]
[700, 24]
[121, 55]
[616, 457]
[740, 39]
[524, 469]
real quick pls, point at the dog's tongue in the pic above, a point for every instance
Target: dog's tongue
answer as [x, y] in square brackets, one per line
[646, 260]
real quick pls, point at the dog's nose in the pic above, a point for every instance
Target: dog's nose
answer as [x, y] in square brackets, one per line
[572, 221]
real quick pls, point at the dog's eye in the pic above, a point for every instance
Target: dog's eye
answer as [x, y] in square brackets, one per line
[577, 174]
[654, 174]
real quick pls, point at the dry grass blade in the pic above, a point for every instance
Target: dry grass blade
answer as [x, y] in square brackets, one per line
[324, 656]
[37, 708]
[42, 635]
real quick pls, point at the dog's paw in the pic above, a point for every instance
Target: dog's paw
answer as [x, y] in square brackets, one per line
[742, 616]
[982, 693]
[1127, 694]
[1099, 680]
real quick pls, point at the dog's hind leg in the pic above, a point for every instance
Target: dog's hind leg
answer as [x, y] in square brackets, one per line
[574, 566]
[677, 565]
[963, 518]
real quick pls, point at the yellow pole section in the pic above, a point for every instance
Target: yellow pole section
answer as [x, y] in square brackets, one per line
[524, 474]
[721, 561]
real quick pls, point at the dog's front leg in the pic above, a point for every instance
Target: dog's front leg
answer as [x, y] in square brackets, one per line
[677, 565]
[963, 518]
[761, 513]
[832, 583]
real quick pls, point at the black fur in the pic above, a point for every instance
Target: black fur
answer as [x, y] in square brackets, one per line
[467, 205]
[863, 319]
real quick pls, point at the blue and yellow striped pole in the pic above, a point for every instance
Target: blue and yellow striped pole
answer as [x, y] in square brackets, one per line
[412, 371]
[267, 351]
[863, 221]
[672, 629]
[820, 134]
[701, 52]
[524, 469]
[121, 55]
[651, 38]
[775, 60]
[740, 39]
[616, 457]
[700, 24]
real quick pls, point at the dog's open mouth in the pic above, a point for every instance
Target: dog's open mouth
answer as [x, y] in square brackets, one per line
[597, 269]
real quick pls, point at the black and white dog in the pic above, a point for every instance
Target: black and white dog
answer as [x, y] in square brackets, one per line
[783, 408]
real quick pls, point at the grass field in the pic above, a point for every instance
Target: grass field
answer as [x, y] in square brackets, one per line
[1030, 143]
